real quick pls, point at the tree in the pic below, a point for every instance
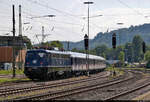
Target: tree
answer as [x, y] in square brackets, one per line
[137, 48]
[101, 50]
[74, 50]
[27, 41]
[111, 54]
[118, 50]
[93, 52]
[147, 56]
[29, 45]
[128, 52]
[56, 44]
[121, 56]
[46, 44]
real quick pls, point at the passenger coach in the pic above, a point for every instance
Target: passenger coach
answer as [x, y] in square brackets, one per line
[78, 63]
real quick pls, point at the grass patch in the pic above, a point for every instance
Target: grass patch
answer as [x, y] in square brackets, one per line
[135, 68]
[111, 69]
[7, 72]
[117, 70]
[4, 80]
[142, 69]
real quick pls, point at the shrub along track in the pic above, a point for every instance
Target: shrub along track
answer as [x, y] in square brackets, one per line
[8, 92]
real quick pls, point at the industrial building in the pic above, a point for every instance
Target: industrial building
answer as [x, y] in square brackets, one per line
[6, 51]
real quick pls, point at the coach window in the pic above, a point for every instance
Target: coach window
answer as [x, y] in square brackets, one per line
[81, 61]
[71, 61]
[94, 62]
[78, 61]
[75, 60]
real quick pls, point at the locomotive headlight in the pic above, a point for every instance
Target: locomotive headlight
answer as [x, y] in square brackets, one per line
[34, 61]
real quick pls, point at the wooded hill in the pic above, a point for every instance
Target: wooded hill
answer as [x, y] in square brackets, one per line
[123, 35]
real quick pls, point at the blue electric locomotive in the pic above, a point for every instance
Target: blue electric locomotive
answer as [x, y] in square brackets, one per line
[43, 64]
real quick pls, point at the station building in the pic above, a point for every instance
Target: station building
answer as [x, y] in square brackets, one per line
[6, 51]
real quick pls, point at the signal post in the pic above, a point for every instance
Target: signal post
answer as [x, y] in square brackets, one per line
[86, 44]
[114, 47]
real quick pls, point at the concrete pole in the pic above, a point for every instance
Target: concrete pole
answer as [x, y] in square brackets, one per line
[42, 34]
[13, 18]
[20, 22]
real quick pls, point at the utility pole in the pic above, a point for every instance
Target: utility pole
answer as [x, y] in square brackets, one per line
[43, 35]
[68, 45]
[87, 3]
[13, 19]
[20, 34]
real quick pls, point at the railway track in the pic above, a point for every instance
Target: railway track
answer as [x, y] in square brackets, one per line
[123, 91]
[10, 76]
[21, 82]
[7, 84]
[63, 93]
[11, 91]
[22, 77]
[127, 92]
[73, 91]
[59, 94]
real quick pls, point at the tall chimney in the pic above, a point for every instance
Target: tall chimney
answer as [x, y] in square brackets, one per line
[20, 23]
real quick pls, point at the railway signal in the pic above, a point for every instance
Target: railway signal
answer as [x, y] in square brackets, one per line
[114, 46]
[114, 40]
[86, 41]
[143, 47]
[86, 44]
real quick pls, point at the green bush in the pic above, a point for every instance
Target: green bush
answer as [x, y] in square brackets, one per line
[148, 64]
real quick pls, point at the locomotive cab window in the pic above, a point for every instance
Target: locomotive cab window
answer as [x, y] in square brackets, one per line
[28, 55]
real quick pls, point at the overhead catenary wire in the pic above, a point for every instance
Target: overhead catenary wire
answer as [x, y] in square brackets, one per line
[53, 20]
[52, 8]
[139, 13]
[56, 27]
[58, 21]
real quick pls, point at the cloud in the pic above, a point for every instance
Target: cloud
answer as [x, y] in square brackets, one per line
[109, 20]
[126, 16]
[70, 27]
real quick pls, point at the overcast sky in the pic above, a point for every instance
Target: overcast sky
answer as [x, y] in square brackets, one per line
[69, 23]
